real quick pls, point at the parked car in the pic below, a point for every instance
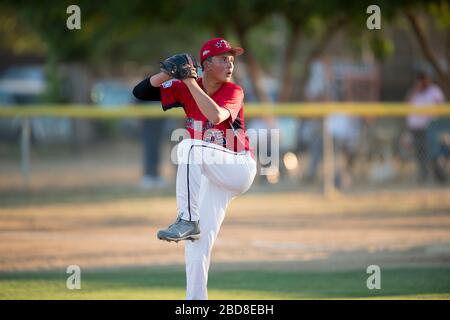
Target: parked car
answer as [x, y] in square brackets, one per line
[108, 94]
[24, 86]
[111, 93]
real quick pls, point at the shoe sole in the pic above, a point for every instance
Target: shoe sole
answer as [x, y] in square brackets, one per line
[190, 237]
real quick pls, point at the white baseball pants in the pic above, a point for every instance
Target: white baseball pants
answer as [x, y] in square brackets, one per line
[208, 178]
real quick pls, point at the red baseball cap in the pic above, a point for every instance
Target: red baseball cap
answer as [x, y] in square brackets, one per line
[217, 46]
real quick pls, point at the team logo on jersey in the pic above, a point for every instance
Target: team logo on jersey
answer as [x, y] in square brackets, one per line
[194, 125]
[167, 84]
[215, 136]
[189, 123]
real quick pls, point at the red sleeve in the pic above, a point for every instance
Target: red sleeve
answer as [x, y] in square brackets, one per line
[231, 99]
[172, 94]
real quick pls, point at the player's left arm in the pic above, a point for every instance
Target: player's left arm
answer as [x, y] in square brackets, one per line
[144, 90]
[210, 109]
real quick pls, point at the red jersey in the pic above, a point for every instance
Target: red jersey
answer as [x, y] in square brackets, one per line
[229, 133]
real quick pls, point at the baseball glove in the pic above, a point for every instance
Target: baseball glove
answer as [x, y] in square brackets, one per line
[180, 66]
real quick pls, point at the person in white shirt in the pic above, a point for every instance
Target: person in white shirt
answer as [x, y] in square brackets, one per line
[424, 94]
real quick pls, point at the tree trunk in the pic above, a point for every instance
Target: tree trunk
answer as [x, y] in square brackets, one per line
[78, 81]
[320, 47]
[253, 67]
[427, 51]
[286, 67]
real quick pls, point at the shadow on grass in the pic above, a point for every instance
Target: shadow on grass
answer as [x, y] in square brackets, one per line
[270, 284]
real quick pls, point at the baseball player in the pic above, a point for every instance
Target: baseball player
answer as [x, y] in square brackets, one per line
[216, 164]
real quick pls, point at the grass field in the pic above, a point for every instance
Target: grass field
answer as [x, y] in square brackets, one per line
[271, 246]
[157, 284]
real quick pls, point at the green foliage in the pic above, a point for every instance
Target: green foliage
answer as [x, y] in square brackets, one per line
[441, 13]
[18, 38]
[145, 32]
[267, 39]
[381, 46]
[53, 92]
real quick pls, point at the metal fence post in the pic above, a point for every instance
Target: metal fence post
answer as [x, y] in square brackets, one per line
[328, 162]
[25, 151]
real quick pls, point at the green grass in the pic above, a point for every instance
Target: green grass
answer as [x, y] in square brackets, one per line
[409, 283]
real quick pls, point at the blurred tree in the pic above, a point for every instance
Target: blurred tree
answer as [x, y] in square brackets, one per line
[298, 15]
[47, 20]
[109, 36]
[317, 20]
[145, 32]
[17, 38]
[320, 21]
[236, 17]
[440, 13]
[244, 18]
